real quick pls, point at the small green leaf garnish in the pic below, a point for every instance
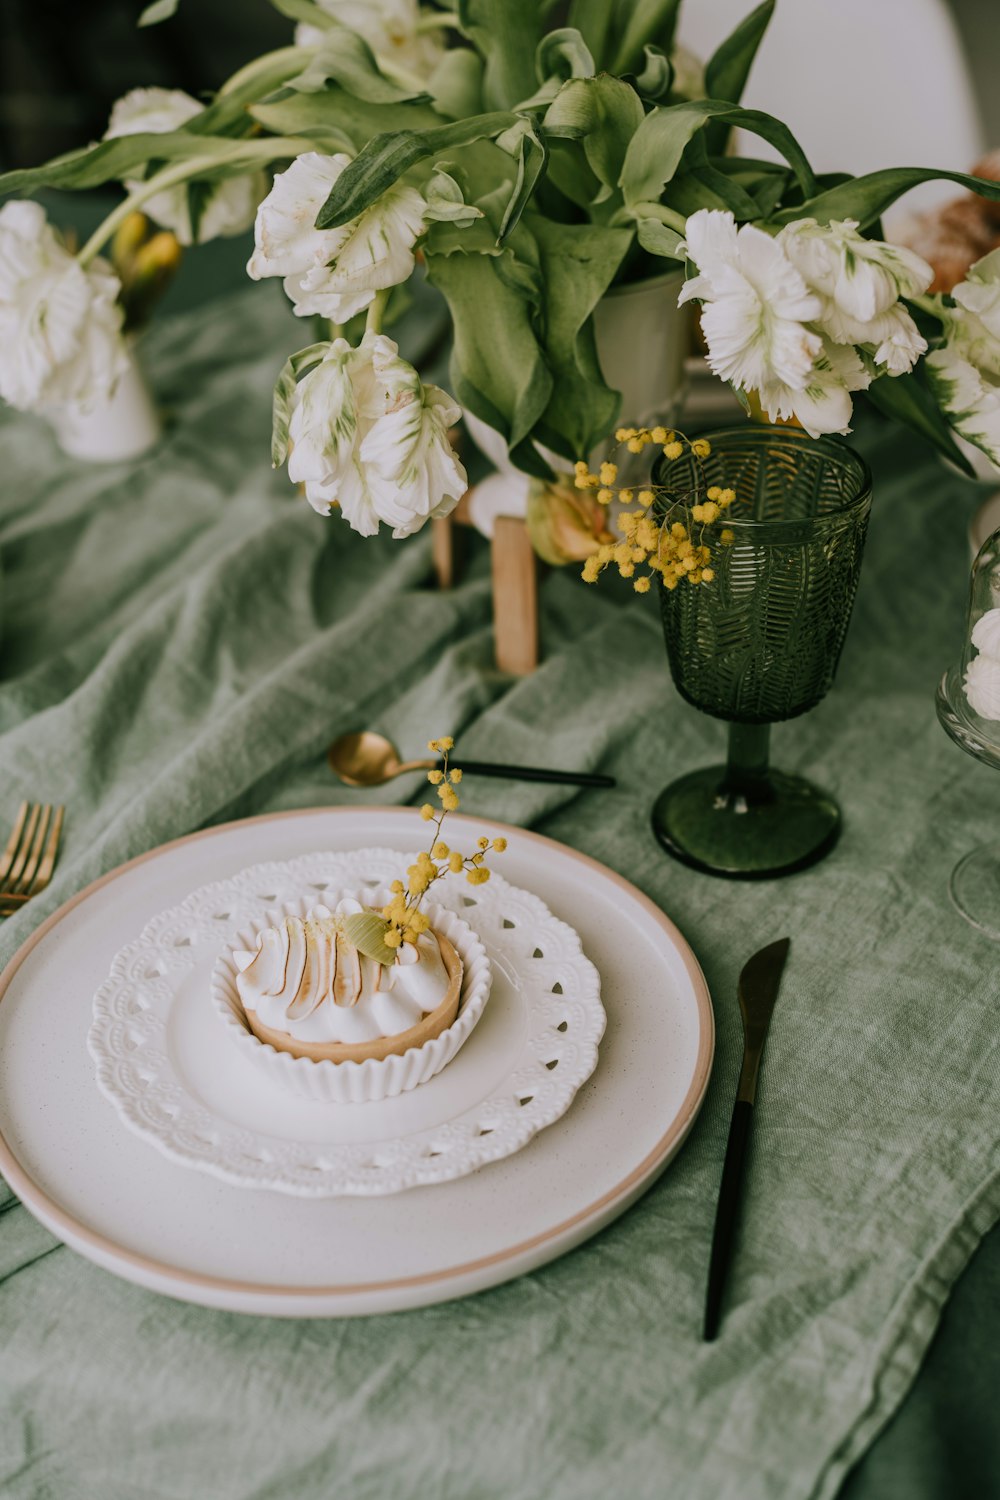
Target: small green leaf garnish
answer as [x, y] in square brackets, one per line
[366, 930]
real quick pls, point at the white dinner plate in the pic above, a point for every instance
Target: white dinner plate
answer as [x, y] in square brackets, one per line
[114, 1198]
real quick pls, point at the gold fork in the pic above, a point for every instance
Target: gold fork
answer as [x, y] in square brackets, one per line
[27, 863]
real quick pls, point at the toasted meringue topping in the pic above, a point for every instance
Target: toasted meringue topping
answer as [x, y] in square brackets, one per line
[305, 978]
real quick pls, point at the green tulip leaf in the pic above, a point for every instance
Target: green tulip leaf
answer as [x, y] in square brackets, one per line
[505, 33]
[498, 371]
[656, 79]
[594, 20]
[648, 21]
[563, 54]
[346, 59]
[867, 198]
[384, 159]
[728, 68]
[337, 121]
[578, 264]
[906, 399]
[603, 113]
[524, 144]
[456, 85]
[658, 145]
[125, 156]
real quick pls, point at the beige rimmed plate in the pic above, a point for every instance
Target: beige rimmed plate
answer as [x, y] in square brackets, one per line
[116, 1200]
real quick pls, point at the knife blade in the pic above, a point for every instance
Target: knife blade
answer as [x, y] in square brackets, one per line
[758, 987]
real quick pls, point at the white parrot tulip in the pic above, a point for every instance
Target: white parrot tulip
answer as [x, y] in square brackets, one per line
[60, 324]
[333, 273]
[367, 435]
[229, 204]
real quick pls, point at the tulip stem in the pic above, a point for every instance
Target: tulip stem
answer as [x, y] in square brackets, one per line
[929, 305]
[438, 18]
[376, 311]
[253, 152]
[290, 60]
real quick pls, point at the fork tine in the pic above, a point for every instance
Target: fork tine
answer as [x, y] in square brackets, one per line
[14, 875]
[31, 863]
[44, 874]
[7, 859]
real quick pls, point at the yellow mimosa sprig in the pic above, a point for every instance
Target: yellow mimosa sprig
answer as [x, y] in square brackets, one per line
[403, 915]
[653, 535]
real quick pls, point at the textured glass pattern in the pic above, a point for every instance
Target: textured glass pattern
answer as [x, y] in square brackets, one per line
[761, 641]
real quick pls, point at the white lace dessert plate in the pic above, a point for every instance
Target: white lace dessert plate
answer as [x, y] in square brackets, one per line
[129, 1208]
[189, 1081]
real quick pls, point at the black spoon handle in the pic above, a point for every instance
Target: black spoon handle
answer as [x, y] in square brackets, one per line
[536, 773]
[727, 1213]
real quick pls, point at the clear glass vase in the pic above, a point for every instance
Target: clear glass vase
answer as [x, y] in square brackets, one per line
[760, 643]
[968, 705]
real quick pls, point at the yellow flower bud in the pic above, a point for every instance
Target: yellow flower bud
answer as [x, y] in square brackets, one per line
[393, 938]
[455, 861]
[435, 777]
[625, 496]
[713, 492]
[707, 574]
[448, 798]
[446, 743]
[427, 812]
[673, 450]
[455, 775]
[710, 511]
[701, 447]
[605, 496]
[397, 887]
[659, 434]
[642, 585]
[478, 876]
[499, 845]
[635, 445]
[646, 497]
[483, 843]
[440, 850]
[609, 473]
[698, 513]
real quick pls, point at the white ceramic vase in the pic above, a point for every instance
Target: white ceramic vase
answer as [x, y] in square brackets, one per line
[642, 341]
[125, 426]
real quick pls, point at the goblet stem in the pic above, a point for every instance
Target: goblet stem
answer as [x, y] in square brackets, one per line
[747, 777]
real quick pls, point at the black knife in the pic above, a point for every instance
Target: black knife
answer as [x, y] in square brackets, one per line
[758, 990]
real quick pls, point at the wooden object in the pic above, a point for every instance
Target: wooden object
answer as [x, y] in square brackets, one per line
[515, 597]
[515, 584]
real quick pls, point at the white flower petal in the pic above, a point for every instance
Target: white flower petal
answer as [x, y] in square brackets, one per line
[60, 325]
[367, 435]
[390, 27]
[286, 240]
[862, 277]
[230, 203]
[969, 397]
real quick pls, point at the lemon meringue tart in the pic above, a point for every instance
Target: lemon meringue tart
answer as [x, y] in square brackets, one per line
[306, 989]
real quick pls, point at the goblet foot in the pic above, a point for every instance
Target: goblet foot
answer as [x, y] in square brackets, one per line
[975, 889]
[781, 824]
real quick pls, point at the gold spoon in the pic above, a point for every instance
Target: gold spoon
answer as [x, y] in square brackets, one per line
[369, 759]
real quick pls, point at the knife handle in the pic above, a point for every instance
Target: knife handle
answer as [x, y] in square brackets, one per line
[726, 1213]
[537, 773]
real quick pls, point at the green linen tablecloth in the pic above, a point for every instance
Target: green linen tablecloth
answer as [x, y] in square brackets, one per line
[181, 638]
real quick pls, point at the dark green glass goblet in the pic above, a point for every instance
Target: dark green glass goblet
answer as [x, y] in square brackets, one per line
[761, 641]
